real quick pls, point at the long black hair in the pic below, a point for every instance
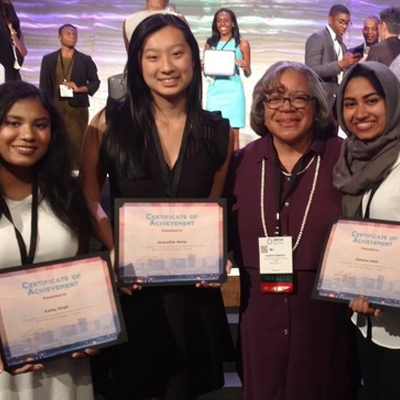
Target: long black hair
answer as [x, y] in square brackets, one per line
[215, 37]
[53, 173]
[130, 124]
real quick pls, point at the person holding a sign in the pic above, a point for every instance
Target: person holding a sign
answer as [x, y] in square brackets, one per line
[158, 143]
[43, 217]
[368, 175]
[225, 91]
[281, 202]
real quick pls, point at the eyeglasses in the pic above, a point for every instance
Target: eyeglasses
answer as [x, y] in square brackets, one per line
[343, 22]
[297, 101]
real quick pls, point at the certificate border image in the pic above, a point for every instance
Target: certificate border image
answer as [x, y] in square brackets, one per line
[50, 310]
[165, 242]
[360, 258]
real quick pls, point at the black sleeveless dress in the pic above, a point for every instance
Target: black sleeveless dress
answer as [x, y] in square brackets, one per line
[178, 336]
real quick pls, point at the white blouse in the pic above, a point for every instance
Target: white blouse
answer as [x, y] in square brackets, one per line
[64, 378]
[385, 205]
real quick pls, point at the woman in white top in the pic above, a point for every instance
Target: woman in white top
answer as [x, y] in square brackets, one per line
[35, 174]
[368, 174]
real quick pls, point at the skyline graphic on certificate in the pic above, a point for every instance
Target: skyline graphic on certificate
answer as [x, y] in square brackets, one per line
[50, 310]
[164, 242]
[361, 257]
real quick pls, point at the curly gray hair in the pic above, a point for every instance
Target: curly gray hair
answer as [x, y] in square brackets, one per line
[270, 82]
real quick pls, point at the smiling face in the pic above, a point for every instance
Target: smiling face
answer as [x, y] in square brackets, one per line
[25, 134]
[370, 31]
[167, 63]
[364, 110]
[287, 124]
[224, 24]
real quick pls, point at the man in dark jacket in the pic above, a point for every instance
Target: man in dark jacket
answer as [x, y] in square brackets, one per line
[389, 47]
[69, 76]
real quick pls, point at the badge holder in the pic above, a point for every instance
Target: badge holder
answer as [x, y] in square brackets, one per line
[276, 264]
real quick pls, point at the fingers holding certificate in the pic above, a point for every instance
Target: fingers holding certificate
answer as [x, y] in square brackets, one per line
[361, 258]
[73, 308]
[163, 243]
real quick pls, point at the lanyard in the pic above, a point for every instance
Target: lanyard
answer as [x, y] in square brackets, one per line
[171, 188]
[226, 43]
[280, 196]
[26, 258]
[65, 74]
[374, 188]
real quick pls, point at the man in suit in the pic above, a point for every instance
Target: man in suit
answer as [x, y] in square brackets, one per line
[389, 29]
[370, 33]
[69, 76]
[327, 55]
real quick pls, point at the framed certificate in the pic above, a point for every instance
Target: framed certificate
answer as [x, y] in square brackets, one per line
[163, 242]
[55, 308]
[219, 62]
[361, 257]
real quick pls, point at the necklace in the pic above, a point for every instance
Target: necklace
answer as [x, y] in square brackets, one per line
[300, 172]
[310, 199]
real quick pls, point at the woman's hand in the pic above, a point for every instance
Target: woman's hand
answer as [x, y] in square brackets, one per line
[85, 353]
[129, 290]
[363, 306]
[21, 370]
[215, 285]
[241, 64]
[208, 285]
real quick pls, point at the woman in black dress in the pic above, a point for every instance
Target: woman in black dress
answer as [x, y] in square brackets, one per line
[159, 143]
[12, 45]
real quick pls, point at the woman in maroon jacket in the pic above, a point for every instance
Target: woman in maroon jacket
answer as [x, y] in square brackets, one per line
[280, 191]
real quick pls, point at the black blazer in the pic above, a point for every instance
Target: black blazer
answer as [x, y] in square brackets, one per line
[84, 73]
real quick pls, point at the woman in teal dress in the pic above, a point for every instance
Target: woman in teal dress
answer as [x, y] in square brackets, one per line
[226, 93]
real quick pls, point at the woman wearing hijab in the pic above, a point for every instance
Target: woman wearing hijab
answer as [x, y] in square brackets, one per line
[368, 175]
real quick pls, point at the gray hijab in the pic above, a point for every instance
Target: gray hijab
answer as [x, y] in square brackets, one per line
[364, 163]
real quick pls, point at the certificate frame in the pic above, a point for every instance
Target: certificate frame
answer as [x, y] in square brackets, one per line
[185, 250]
[52, 309]
[358, 258]
[219, 62]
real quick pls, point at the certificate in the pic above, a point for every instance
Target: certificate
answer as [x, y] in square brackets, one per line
[361, 257]
[219, 62]
[55, 308]
[162, 242]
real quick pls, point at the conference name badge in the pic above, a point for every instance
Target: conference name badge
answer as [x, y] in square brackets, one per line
[66, 92]
[276, 264]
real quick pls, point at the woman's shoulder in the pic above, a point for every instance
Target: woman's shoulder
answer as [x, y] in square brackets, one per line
[215, 119]
[334, 144]
[244, 43]
[253, 153]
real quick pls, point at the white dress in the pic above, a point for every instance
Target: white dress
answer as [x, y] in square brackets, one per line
[64, 378]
